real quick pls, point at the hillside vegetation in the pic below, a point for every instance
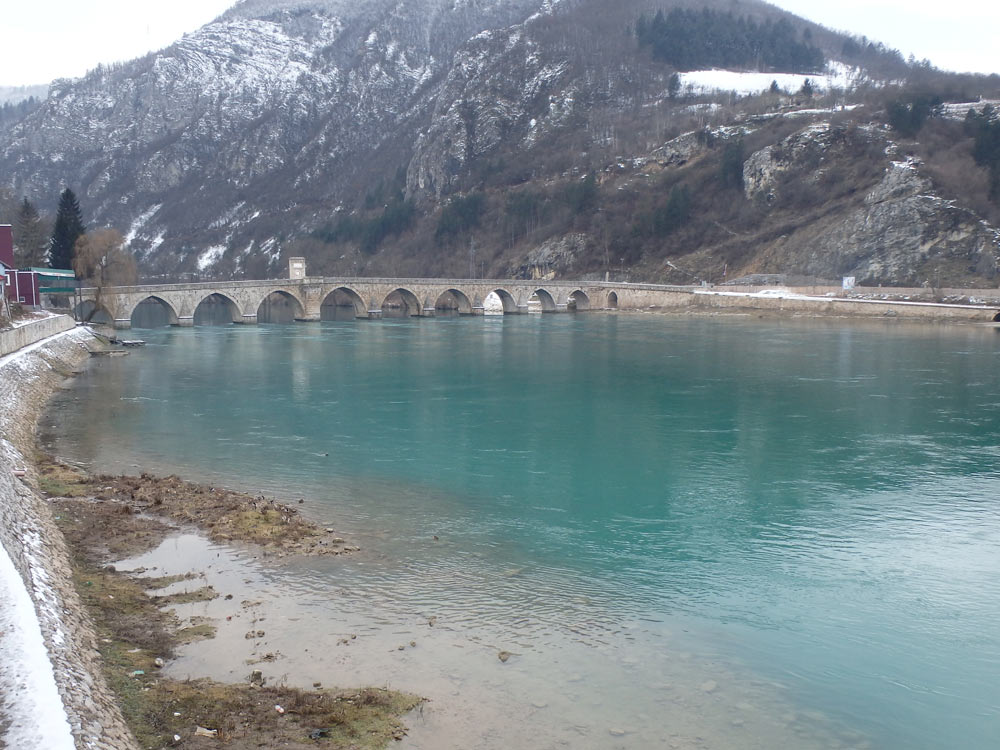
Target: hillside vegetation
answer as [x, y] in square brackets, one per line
[524, 138]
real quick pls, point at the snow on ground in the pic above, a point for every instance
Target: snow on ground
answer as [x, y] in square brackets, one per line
[786, 294]
[31, 317]
[140, 222]
[837, 75]
[31, 709]
[493, 305]
[958, 110]
[210, 256]
[31, 702]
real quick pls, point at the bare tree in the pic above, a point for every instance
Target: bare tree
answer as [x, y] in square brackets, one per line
[100, 259]
[31, 235]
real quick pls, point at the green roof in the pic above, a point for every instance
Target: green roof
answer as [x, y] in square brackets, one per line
[58, 272]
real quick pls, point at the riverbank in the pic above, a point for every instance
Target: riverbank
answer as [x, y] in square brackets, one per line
[101, 638]
[67, 661]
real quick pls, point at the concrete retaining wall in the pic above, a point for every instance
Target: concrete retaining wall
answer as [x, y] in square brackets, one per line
[849, 307]
[725, 299]
[35, 545]
[12, 339]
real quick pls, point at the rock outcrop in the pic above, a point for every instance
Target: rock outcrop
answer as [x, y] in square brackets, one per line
[904, 235]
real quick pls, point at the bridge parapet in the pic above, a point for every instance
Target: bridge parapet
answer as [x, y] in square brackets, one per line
[368, 296]
[310, 298]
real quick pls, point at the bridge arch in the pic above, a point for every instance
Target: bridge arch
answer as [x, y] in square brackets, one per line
[153, 312]
[280, 306]
[339, 301]
[543, 299]
[578, 301]
[612, 300]
[216, 309]
[453, 299]
[400, 302]
[507, 301]
[90, 312]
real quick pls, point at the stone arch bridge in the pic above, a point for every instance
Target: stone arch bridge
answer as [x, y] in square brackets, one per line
[312, 299]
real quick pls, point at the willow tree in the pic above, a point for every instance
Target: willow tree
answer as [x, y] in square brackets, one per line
[101, 260]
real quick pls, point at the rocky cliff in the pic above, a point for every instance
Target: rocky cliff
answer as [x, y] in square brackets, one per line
[352, 132]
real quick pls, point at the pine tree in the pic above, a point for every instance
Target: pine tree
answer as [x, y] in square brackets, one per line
[29, 236]
[67, 230]
[674, 86]
[731, 169]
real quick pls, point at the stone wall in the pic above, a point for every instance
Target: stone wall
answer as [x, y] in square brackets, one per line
[12, 339]
[29, 534]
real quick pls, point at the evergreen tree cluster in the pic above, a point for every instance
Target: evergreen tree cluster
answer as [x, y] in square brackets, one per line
[581, 195]
[690, 39]
[907, 116]
[37, 240]
[12, 112]
[369, 232]
[666, 218]
[383, 193]
[460, 215]
[985, 130]
[731, 168]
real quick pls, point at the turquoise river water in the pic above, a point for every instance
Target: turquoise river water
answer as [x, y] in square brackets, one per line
[687, 532]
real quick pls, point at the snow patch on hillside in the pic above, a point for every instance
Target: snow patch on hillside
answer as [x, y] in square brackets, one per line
[836, 76]
[140, 222]
[210, 257]
[959, 110]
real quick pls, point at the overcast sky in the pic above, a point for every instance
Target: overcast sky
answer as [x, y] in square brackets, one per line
[46, 39]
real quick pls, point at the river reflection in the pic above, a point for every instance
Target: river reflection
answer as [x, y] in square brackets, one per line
[804, 514]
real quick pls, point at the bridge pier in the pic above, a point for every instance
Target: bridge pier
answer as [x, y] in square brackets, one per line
[478, 310]
[122, 323]
[427, 312]
[185, 321]
[248, 320]
[522, 310]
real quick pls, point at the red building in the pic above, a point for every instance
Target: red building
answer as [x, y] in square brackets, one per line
[6, 247]
[28, 285]
[21, 286]
[6, 256]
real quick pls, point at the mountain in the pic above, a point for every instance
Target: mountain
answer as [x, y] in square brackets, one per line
[18, 94]
[526, 137]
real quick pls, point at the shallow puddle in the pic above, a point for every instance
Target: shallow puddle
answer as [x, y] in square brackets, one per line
[550, 691]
